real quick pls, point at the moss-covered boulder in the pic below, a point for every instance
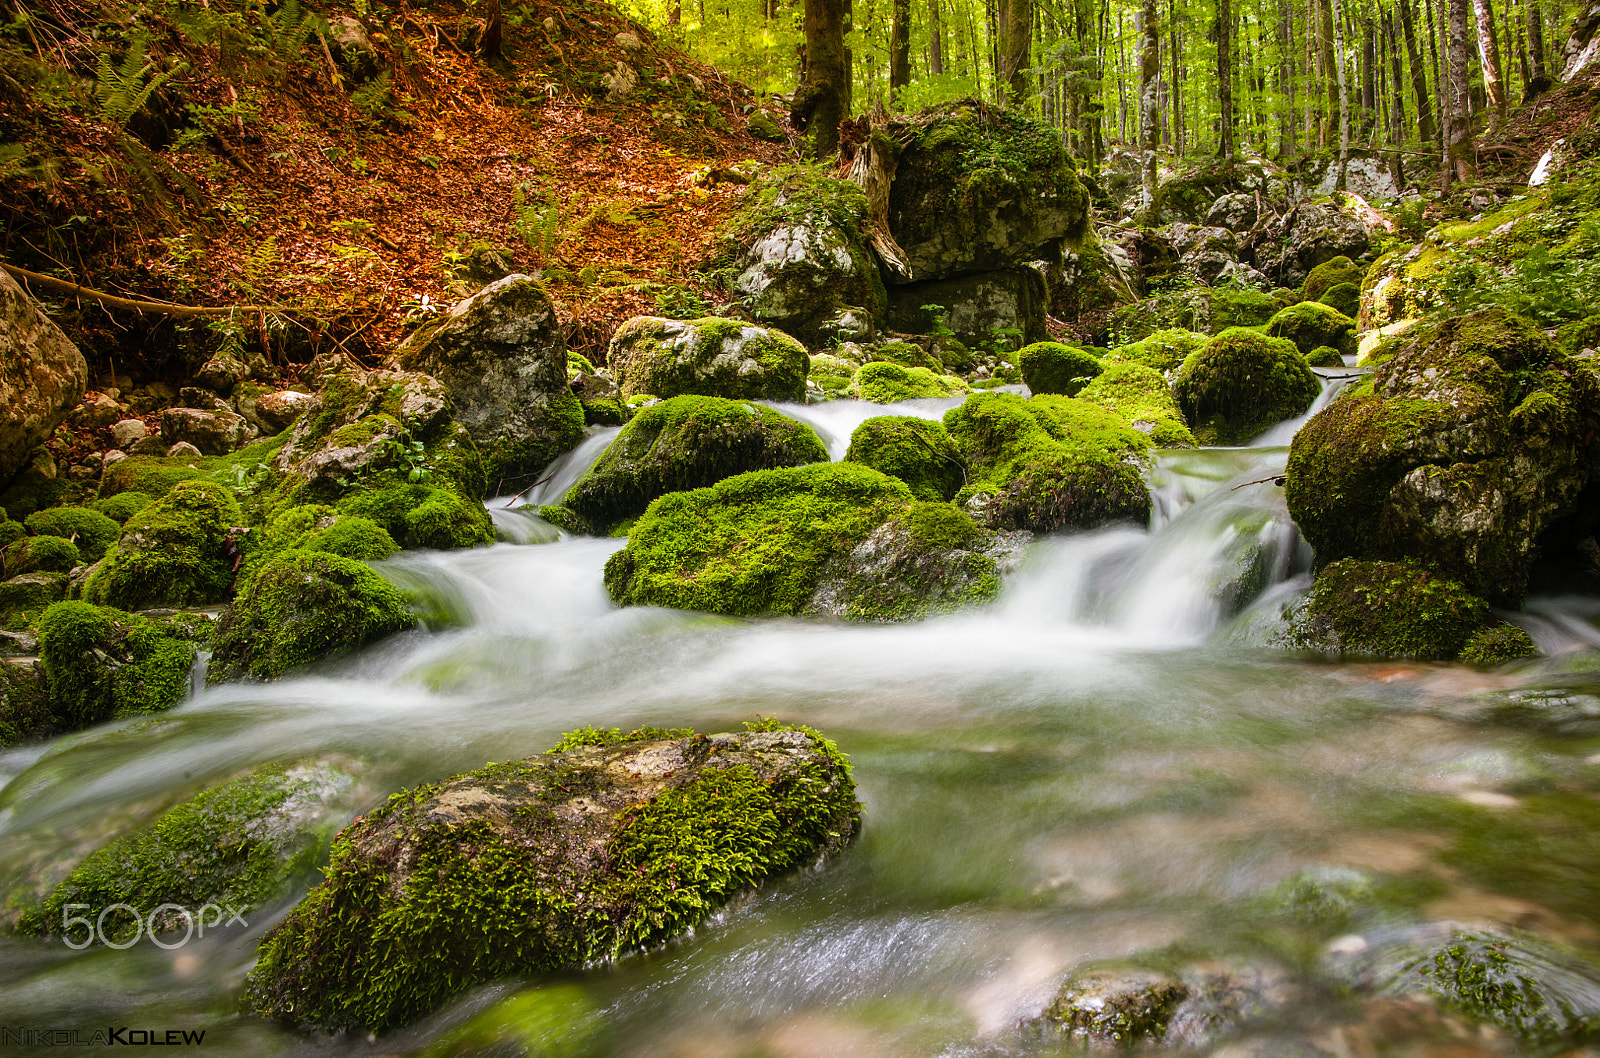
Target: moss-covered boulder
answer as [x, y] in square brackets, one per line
[1120, 1007]
[502, 355]
[1325, 356]
[39, 554]
[1240, 383]
[978, 188]
[1329, 274]
[178, 551]
[25, 596]
[1208, 310]
[104, 664]
[1163, 351]
[548, 864]
[882, 382]
[304, 606]
[26, 711]
[38, 486]
[92, 531]
[1140, 397]
[917, 451]
[687, 442]
[42, 378]
[1477, 435]
[829, 376]
[1346, 297]
[384, 445]
[798, 253]
[708, 357]
[1051, 367]
[1004, 308]
[1314, 234]
[240, 846]
[121, 506]
[1387, 610]
[1048, 463]
[1311, 324]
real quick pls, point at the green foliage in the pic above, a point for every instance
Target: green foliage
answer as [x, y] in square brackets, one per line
[540, 220]
[594, 736]
[122, 88]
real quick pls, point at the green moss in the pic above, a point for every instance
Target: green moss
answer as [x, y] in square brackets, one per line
[1051, 367]
[303, 606]
[149, 476]
[1209, 310]
[1049, 462]
[1325, 356]
[917, 451]
[382, 941]
[351, 537]
[1329, 274]
[103, 664]
[509, 458]
[1534, 991]
[419, 516]
[594, 736]
[885, 383]
[92, 531]
[1140, 397]
[684, 443]
[711, 357]
[40, 554]
[1162, 351]
[26, 711]
[1498, 645]
[1242, 382]
[11, 532]
[1389, 609]
[1310, 324]
[1346, 298]
[122, 506]
[925, 561]
[24, 597]
[175, 552]
[752, 544]
[578, 364]
[240, 844]
[907, 354]
[605, 411]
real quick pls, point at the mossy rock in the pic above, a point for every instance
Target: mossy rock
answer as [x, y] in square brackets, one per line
[26, 710]
[40, 554]
[11, 532]
[1048, 463]
[1163, 351]
[1310, 324]
[906, 354]
[90, 530]
[548, 864]
[1346, 297]
[240, 845]
[1242, 382]
[104, 664]
[709, 357]
[1476, 436]
[1325, 356]
[882, 382]
[752, 544]
[177, 551]
[1208, 310]
[1122, 1007]
[1140, 397]
[917, 451]
[1388, 610]
[36, 487]
[25, 597]
[687, 442]
[147, 476]
[1329, 274]
[418, 516]
[317, 527]
[1498, 645]
[830, 376]
[1051, 367]
[300, 607]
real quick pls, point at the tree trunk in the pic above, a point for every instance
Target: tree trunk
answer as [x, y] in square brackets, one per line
[935, 39]
[822, 100]
[1149, 100]
[1016, 43]
[1419, 76]
[1489, 53]
[1463, 151]
[900, 48]
[493, 44]
[1370, 72]
[1286, 139]
[1332, 66]
[1344, 92]
[1225, 79]
[1536, 42]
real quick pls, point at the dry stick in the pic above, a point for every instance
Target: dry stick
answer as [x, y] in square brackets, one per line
[62, 286]
[1276, 479]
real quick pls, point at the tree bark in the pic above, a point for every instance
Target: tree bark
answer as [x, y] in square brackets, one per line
[1489, 54]
[1419, 76]
[1344, 92]
[493, 44]
[1225, 79]
[1463, 150]
[1332, 67]
[1149, 100]
[823, 98]
[1016, 44]
[900, 47]
[1536, 42]
[935, 39]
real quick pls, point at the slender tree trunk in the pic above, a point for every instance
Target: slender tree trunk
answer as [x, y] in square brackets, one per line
[1397, 82]
[1332, 67]
[1536, 42]
[1489, 54]
[900, 47]
[823, 98]
[1286, 78]
[1225, 80]
[1149, 100]
[1016, 45]
[1463, 151]
[1344, 92]
[1419, 76]
[935, 39]
[492, 47]
[1175, 84]
[675, 16]
[1370, 73]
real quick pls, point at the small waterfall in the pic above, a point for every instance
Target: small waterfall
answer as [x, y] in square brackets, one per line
[1333, 384]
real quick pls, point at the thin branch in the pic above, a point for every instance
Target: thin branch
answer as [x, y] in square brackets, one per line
[62, 286]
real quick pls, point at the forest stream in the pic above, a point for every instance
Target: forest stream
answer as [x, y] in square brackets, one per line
[1104, 761]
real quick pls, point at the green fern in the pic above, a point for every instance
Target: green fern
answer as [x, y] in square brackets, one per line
[122, 89]
[289, 28]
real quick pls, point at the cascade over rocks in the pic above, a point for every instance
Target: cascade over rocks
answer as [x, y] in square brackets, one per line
[1476, 436]
[42, 377]
[503, 358]
[709, 357]
[605, 845]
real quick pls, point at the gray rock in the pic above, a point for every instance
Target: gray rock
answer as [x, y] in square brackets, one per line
[800, 275]
[711, 357]
[183, 450]
[127, 432]
[96, 411]
[42, 377]
[977, 308]
[273, 412]
[1236, 212]
[212, 433]
[352, 49]
[1317, 233]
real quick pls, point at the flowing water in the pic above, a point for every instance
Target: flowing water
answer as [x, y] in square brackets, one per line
[1106, 760]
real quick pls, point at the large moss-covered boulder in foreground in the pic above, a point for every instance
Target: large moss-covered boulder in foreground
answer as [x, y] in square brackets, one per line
[1240, 383]
[1310, 325]
[239, 846]
[42, 377]
[552, 863]
[178, 551]
[710, 357]
[503, 357]
[1048, 463]
[917, 451]
[684, 443]
[303, 606]
[1387, 610]
[1478, 434]
[978, 188]
[1140, 397]
[103, 664]
[1052, 367]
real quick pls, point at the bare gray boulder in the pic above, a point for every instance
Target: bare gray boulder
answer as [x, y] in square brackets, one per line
[214, 433]
[42, 376]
